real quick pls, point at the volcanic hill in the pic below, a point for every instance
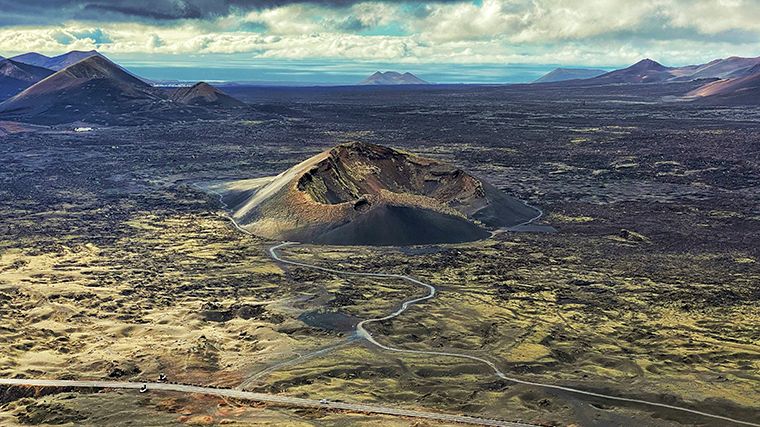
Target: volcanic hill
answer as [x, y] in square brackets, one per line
[93, 89]
[365, 194]
[644, 71]
[203, 94]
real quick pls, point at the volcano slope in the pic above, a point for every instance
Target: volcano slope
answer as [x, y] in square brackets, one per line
[17, 76]
[742, 90]
[365, 194]
[94, 89]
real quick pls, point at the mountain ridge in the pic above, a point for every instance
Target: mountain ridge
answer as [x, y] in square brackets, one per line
[55, 63]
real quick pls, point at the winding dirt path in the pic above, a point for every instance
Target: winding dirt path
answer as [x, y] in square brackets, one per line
[362, 331]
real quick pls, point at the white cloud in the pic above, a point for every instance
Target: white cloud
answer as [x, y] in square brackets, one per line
[310, 18]
[592, 32]
[535, 21]
[714, 16]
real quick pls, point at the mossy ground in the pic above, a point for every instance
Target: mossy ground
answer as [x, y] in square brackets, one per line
[113, 266]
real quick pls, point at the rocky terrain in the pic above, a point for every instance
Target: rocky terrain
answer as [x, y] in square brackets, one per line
[114, 266]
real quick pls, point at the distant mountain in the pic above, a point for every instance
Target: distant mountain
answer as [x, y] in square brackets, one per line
[644, 71]
[563, 74]
[60, 62]
[205, 95]
[393, 78]
[32, 58]
[93, 89]
[55, 63]
[16, 76]
[649, 71]
[720, 68]
[19, 71]
[738, 79]
[735, 91]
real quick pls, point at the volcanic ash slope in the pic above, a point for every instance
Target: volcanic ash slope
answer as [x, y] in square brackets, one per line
[364, 194]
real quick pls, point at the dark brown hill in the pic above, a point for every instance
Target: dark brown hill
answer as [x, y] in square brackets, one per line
[364, 194]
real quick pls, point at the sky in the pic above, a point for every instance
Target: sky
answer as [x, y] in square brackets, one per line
[342, 41]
